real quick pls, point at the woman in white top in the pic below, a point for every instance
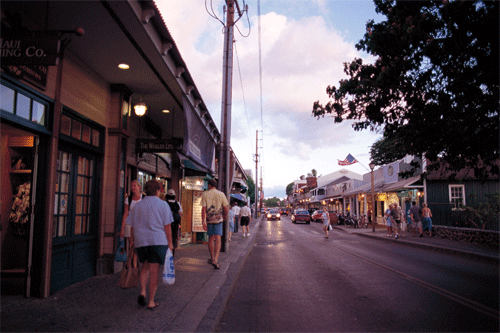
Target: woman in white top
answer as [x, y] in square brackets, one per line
[326, 221]
[136, 196]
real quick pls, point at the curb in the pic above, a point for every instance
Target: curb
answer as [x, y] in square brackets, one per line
[216, 310]
[462, 253]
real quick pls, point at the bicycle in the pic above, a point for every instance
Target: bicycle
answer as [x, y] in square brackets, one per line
[364, 222]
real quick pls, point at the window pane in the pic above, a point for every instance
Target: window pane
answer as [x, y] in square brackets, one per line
[66, 125]
[64, 183]
[6, 99]
[38, 113]
[79, 204]
[78, 225]
[81, 165]
[76, 129]
[61, 228]
[63, 204]
[86, 134]
[56, 204]
[95, 138]
[80, 189]
[65, 160]
[23, 106]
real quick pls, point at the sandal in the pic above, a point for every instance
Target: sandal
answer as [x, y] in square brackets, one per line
[141, 300]
[153, 307]
[210, 261]
[216, 266]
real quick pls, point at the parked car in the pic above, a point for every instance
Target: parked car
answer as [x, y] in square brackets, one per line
[317, 216]
[301, 215]
[334, 217]
[273, 214]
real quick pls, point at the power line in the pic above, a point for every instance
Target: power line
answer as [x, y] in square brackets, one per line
[260, 81]
[242, 90]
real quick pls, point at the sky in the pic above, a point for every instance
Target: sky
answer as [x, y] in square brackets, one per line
[304, 44]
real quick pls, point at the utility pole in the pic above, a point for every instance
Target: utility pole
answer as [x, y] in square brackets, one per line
[227, 89]
[256, 174]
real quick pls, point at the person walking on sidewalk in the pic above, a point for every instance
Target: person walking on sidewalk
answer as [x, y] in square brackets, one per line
[130, 201]
[176, 208]
[152, 235]
[416, 218]
[396, 218]
[426, 219]
[245, 219]
[236, 210]
[326, 221]
[231, 222]
[214, 210]
[388, 220]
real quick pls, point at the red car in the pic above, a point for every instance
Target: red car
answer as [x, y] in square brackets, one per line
[317, 216]
[301, 216]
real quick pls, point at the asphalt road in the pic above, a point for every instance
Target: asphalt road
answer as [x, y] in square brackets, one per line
[294, 280]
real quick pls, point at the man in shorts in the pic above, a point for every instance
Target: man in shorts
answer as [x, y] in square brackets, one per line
[151, 234]
[214, 210]
[416, 218]
[245, 218]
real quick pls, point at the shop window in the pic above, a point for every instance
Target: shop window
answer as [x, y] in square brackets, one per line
[23, 105]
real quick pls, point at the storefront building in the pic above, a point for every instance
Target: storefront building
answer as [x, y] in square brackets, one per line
[72, 140]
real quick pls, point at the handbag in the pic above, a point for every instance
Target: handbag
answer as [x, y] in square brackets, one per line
[168, 268]
[129, 276]
[121, 254]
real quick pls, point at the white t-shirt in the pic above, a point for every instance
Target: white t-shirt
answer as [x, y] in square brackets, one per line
[245, 211]
[236, 211]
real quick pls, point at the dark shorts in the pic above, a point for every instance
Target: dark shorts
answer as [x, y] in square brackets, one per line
[245, 220]
[154, 254]
[214, 229]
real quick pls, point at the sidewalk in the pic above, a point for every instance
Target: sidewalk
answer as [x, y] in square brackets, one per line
[477, 252]
[194, 303]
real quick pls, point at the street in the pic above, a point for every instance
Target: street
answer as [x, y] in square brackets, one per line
[295, 280]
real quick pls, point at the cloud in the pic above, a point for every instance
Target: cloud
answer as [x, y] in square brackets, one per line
[301, 55]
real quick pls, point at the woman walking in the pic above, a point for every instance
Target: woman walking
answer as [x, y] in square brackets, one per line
[326, 222]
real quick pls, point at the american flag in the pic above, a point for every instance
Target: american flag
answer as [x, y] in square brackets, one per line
[348, 160]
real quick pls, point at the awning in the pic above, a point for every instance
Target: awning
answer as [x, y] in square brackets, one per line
[403, 185]
[188, 163]
[238, 196]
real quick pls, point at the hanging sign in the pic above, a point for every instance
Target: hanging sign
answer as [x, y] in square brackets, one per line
[35, 48]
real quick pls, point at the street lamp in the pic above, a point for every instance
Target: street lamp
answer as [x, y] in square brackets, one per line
[372, 166]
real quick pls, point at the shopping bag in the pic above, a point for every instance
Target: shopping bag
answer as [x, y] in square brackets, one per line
[129, 276]
[121, 254]
[168, 269]
[330, 227]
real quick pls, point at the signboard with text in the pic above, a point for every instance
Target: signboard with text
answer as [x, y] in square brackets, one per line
[158, 146]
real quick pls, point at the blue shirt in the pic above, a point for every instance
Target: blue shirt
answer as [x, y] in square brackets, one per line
[148, 219]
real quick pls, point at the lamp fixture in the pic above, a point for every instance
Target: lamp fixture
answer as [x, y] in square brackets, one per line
[166, 111]
[123, 66]
[140, 108]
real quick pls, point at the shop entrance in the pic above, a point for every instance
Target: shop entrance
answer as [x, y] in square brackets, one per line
[19, 168]
[75, 219]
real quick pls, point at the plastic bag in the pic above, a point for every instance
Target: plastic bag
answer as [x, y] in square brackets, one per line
[121, 254]
[168, 269]
[330, 227]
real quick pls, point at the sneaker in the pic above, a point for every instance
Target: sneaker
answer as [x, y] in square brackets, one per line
[248, 235]
[397, 236]
[244, 235]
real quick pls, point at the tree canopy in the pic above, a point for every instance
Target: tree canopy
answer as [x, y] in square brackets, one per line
[434, 88]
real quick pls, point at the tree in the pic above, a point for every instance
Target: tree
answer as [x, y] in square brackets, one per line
[289, 189]
[434, 88]
[251, 189]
